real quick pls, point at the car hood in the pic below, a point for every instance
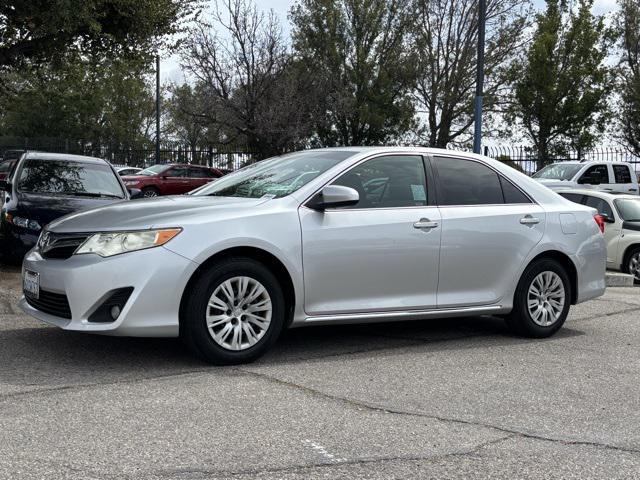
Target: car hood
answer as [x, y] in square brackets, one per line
[47, 208]
[141, 214]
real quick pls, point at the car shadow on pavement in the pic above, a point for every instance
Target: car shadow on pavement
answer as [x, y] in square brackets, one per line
[49, 357]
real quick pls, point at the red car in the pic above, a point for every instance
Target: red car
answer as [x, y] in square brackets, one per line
[171, 179]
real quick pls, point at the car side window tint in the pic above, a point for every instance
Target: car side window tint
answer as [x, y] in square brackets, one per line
[622, 174]
[599, 204]
[198, 173]
[467, 182]
[178, 172]
[597, 171]
[511, 193]
[572, 197]
[388, 182]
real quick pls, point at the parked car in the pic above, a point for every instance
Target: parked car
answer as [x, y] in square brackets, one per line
[621, 214]
[46, 186]
[606, 176]
[227, 268]
[126, 171]
[5, 168]
[172, 179]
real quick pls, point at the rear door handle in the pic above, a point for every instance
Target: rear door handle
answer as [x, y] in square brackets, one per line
[425, 223]
[529, 220]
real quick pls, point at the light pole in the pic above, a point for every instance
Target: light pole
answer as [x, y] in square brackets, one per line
[477, 135]
[157, 108]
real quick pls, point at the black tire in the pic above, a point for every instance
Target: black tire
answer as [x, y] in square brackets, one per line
[520, 320]
[626, 267]
[150, 192]
[194, 330]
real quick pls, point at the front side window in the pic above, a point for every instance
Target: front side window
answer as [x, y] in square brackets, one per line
[154, 170]
[622, 174]
[466, 182]
[62, 177]
[599, 204]
[276, 177]
[597, 171]
[177, 172]
[388, 182]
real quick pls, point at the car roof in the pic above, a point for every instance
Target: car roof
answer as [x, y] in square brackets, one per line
[597, 193]
[64, 156]
[587, 162]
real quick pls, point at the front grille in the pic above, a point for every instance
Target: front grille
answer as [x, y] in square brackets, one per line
[60, 245]
[55, 304]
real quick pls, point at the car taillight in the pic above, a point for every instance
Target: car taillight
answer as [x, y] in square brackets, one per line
[600, 221]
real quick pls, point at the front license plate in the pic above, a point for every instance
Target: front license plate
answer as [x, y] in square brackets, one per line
[31, 284]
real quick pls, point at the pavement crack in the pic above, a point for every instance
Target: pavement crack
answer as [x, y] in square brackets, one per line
[358, 404]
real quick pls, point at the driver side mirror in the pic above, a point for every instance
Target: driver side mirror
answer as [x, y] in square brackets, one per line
[333, 196]
[134, 193]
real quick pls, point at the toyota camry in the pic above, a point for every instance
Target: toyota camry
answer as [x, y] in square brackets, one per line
[319, 237]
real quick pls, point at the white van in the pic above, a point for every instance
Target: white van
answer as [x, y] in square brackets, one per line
[606, 176]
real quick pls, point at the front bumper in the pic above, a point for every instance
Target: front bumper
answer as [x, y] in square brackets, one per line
[157, 275]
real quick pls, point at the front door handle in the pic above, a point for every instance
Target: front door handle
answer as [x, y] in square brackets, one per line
[529, 220]
[425, 223]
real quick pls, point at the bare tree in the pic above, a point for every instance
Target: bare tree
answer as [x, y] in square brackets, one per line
[242, 66]
[445, 39]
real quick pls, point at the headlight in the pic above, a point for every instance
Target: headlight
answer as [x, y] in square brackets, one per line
[109, 244]
[24, 223]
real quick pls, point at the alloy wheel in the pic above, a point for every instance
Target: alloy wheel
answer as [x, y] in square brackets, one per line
[546, 298]
[634, 265]
[239, 313]
[150, 193]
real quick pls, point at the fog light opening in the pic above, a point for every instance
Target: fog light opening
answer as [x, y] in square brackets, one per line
[115, 312]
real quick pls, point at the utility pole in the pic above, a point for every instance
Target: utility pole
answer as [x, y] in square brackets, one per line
[157, 108]
[477, 135]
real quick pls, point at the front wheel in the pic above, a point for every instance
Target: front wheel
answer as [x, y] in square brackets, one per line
[150, 192]
[542, 300]
[234, 313]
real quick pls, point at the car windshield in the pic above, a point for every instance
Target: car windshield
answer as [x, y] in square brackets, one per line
[276, 177]
[558, 171]
[629, 209]
[154, 170]
[6, 166]
[66, 177]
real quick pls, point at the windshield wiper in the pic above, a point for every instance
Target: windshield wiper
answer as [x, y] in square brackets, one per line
[93, 194]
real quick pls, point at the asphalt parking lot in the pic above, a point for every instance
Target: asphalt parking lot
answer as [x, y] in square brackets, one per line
[434, 399]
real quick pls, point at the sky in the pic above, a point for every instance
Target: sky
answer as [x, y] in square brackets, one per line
[170, 67]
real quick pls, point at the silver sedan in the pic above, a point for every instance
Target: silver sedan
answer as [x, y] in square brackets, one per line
[327, 236]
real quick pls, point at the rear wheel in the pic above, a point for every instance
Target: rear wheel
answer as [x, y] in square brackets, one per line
[542, 300]
[149, 192]
[234, 313]
[632, 264]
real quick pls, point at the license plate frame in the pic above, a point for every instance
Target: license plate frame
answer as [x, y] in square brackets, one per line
[31, 284]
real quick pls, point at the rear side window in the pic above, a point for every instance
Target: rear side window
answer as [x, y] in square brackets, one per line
[622, 173]
[599, 204]
[466, 182]
[572, 197]
[511, 193]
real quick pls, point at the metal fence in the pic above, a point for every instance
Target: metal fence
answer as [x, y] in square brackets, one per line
[526, 158]
[223, 156]
[233, 157]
